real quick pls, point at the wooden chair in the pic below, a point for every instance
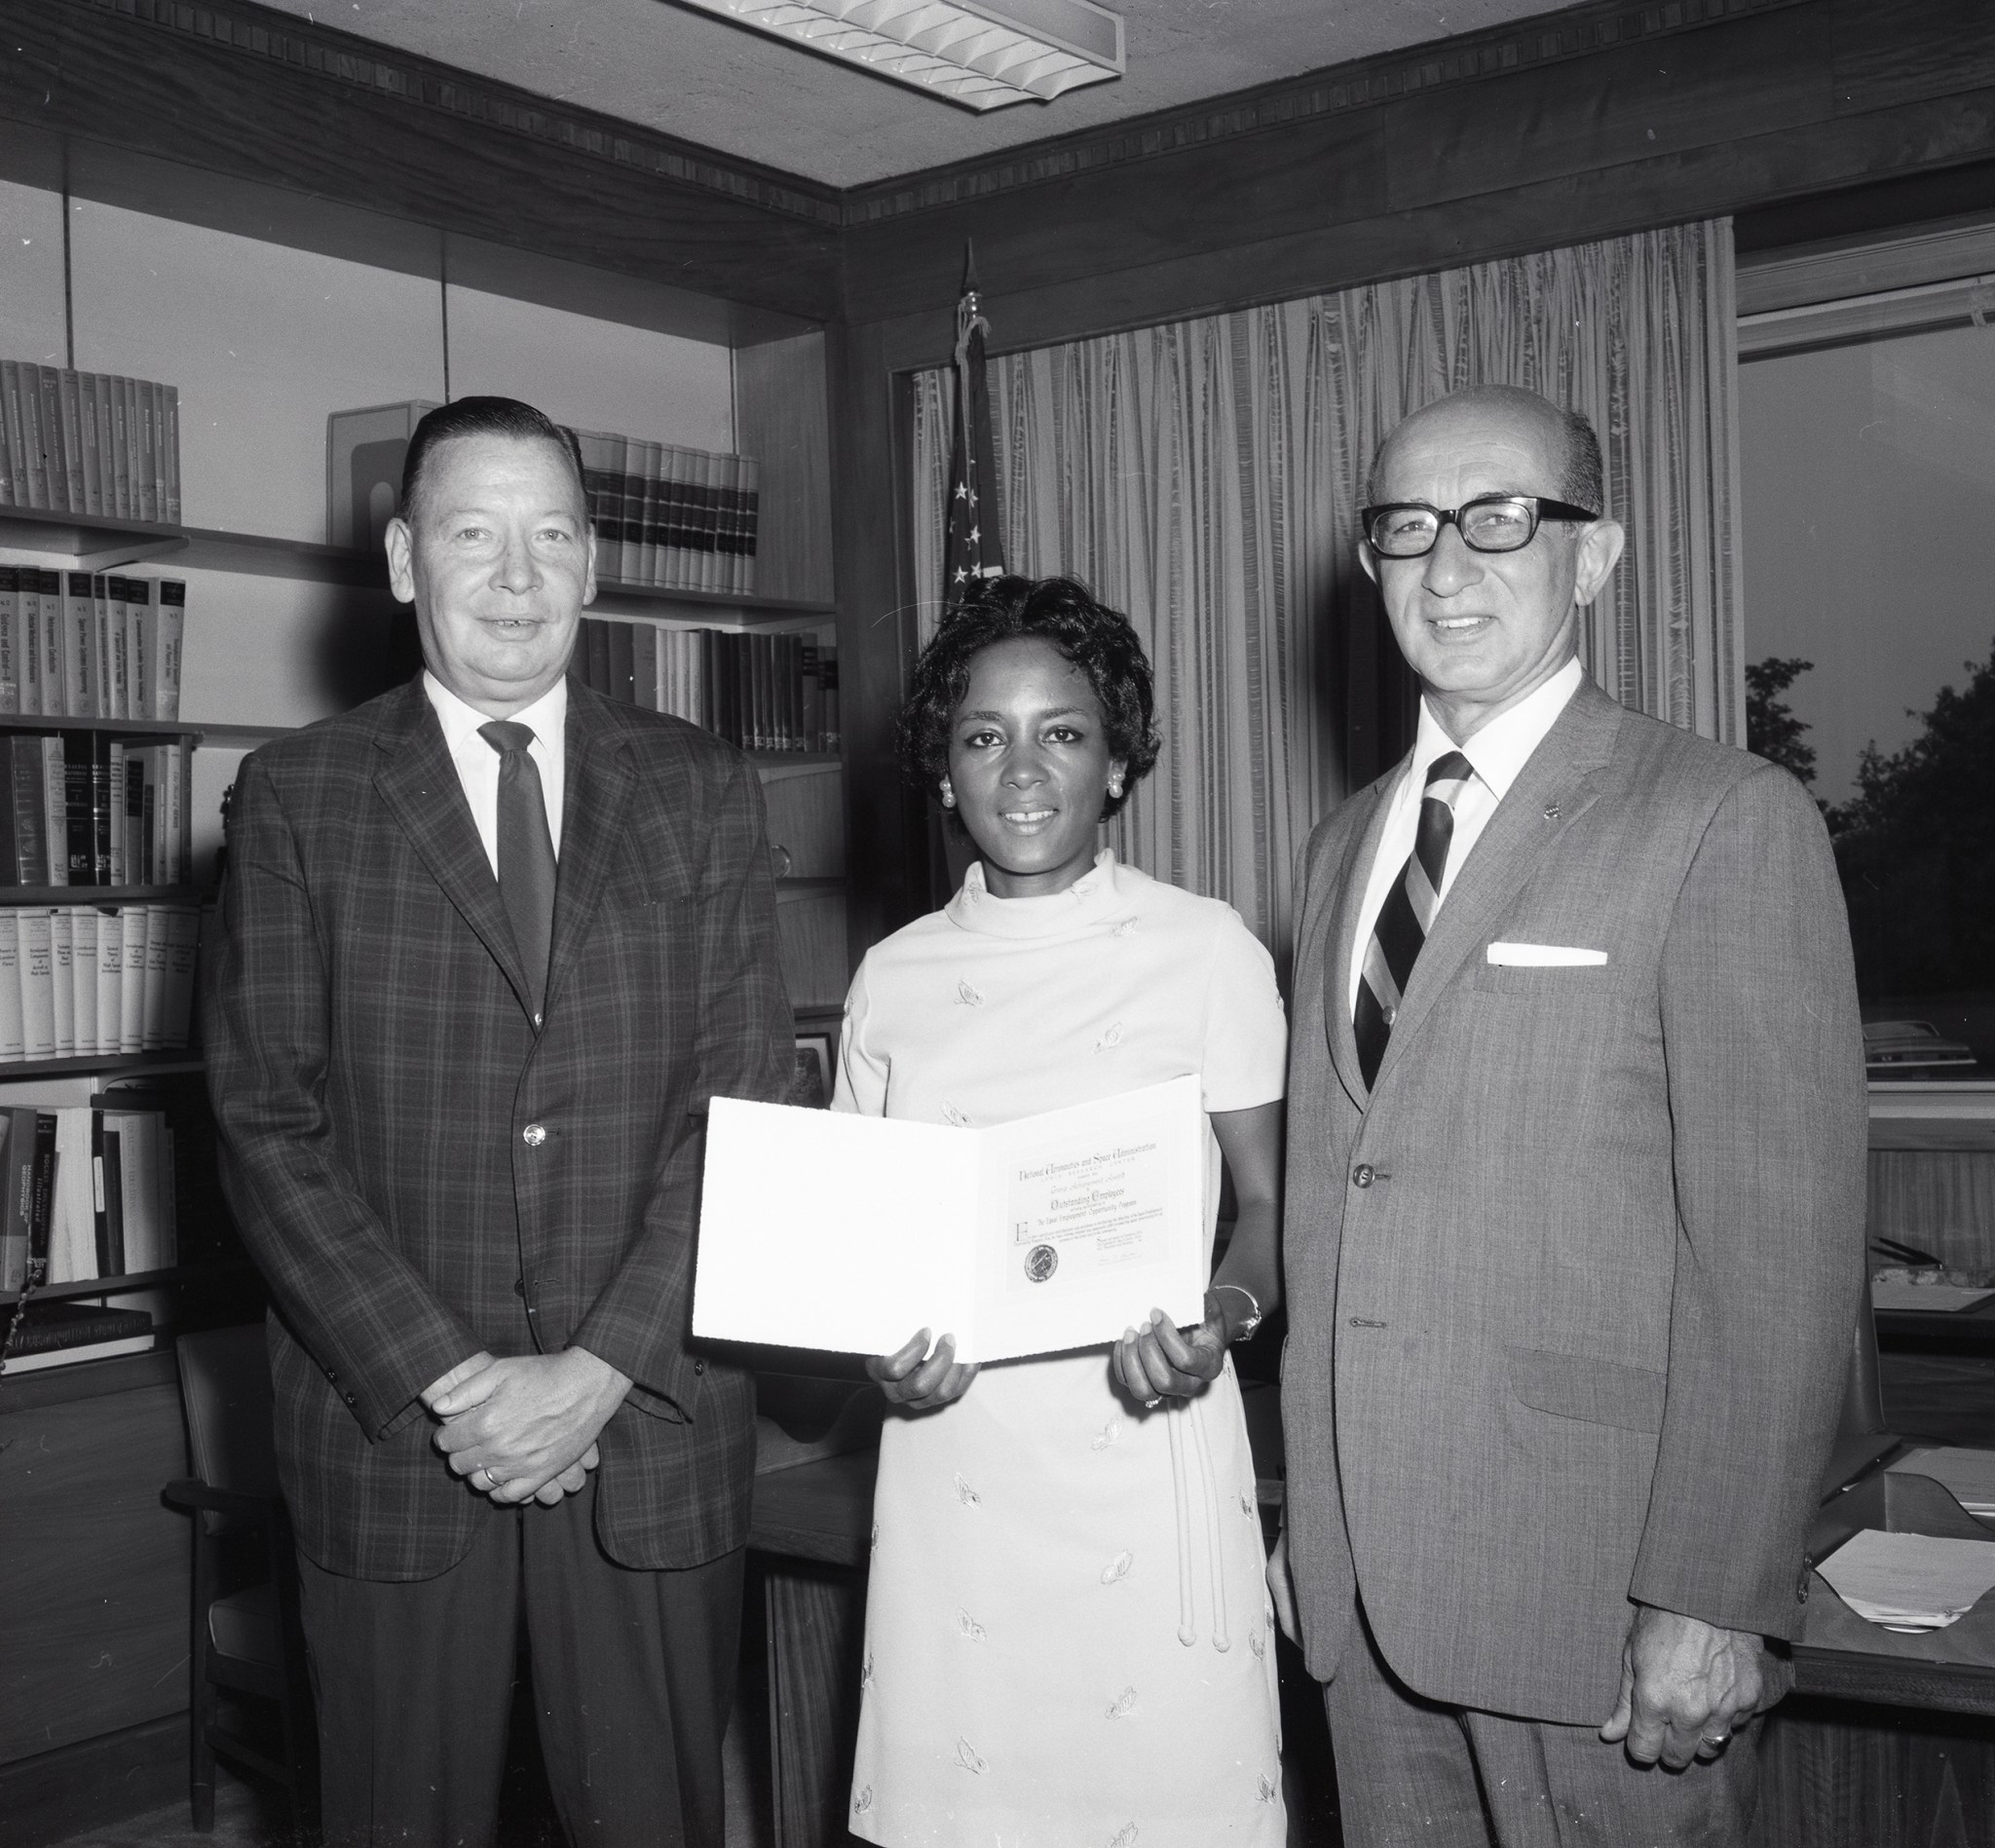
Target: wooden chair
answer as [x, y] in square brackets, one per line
[247, 1638]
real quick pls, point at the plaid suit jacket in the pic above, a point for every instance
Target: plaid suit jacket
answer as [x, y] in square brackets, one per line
[419, 1175]
[1570, 1287]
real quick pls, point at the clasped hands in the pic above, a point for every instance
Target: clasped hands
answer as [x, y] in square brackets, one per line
[525, 1428]
[1150, 1362]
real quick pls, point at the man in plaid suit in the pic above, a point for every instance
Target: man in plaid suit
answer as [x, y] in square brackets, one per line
[477, 983]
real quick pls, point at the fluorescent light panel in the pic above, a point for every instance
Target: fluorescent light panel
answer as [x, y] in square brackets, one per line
[968, 52]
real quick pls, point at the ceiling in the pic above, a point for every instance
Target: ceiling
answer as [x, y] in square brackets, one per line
[686, 73]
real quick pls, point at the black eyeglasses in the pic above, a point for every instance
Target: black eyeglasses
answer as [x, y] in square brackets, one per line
[1491, 522]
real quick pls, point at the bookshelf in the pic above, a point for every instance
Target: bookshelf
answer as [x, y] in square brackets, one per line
[284, 629]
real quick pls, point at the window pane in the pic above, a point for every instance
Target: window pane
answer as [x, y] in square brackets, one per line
[1869, 521]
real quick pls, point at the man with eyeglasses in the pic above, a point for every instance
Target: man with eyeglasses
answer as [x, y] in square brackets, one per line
[1575, 1200]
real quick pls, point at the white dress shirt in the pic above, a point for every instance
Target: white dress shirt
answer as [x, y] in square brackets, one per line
[478, 763]
[1496, 753]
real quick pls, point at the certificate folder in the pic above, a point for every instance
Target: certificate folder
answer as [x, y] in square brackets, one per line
[828, 1231]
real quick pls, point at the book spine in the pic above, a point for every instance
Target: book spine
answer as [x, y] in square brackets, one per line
[113, 823]
[173, 621]
[11, 1041]
[83, 965]
[88, 388]
[16, 1197]
[131, 979]
[121, 451]
[622, 662]
[69, 391]
[140, 626]
[79, 645]
[644, 663]
[63, 956]
[29, 861]
[10, 624]
[109, 1265]
[41, 1211]
[10, 435]
[54, 626]
[117, 651]
[52, 781]
[170, 397]
[100, 808]
[37, 971]
[55, 464]
[28, 640]
[80, 830]
[183, 954]
[152, 1027]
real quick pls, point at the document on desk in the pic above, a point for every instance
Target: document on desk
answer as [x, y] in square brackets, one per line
[828, 1231]
[1933, 1298]
[1911, 1581]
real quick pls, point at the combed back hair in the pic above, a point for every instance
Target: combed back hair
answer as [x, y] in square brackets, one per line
[1582, 476]
[483, 417]
[1095, 639]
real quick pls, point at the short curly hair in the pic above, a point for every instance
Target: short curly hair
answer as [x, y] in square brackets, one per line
[1094, 638]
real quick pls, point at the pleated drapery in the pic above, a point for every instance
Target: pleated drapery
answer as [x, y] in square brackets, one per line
[1204, 476]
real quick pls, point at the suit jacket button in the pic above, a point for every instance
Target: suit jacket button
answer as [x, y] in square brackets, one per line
[1801, 1587]
[533, 1135]
[520, 1286]
[1363, 1174]
[330, 1375]
[699, 1366]
[351, 1400]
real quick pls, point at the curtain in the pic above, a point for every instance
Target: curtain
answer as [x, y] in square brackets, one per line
[1204, 477]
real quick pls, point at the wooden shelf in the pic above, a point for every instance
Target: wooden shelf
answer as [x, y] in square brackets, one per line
[132, 1280]
[116, 1286]
[105, 1065]
[48, 723]
[88, 542]
[797, 760]
[834, 883]
[98, 895]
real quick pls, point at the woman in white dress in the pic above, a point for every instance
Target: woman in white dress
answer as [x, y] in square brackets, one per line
[1068, 1637]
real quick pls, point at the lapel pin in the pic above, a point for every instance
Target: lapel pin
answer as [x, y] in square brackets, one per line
[1551, 811]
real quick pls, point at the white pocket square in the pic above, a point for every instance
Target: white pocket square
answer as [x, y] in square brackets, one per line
[1545, 956]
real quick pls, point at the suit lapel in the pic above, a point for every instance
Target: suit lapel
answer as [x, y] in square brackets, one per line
[419, 784]
[599, 783]
[1340, 934]
[1550, 794]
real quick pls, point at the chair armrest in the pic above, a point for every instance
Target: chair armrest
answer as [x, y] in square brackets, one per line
[191, 1494]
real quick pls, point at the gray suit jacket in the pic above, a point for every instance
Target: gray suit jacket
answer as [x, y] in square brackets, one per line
[1571, 1289]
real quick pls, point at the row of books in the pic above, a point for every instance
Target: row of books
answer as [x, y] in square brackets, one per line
[85, 808]
[89, 442]
[670, 518]
[89, 645]
[762, 692]
[85, 981]
[88, 1192]
[61, 1333]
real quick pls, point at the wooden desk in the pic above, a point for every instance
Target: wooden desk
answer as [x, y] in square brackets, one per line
[1952, 1331]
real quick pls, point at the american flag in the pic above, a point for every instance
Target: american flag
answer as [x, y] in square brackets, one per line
[971, 549]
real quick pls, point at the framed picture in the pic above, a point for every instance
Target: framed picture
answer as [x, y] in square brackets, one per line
[812, 1077]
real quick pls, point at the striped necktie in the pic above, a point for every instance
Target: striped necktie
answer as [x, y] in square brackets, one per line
[1407, 914]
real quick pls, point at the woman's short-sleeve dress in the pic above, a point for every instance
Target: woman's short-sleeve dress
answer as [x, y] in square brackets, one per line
[1068, 1642]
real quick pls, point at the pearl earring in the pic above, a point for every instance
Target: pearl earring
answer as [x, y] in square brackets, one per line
[1115, 788]
[948, 794]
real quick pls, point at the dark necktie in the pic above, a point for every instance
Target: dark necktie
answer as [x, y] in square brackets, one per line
[526, 853]
[1407, 914]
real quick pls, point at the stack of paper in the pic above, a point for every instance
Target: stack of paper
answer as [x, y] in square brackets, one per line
[1909, 1581]
[1927, 1298]
[1967, 1476]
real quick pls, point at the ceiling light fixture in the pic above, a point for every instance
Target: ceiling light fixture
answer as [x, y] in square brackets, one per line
[969, 52]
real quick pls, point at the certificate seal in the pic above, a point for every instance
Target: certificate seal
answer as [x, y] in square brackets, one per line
[1041, 1263]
